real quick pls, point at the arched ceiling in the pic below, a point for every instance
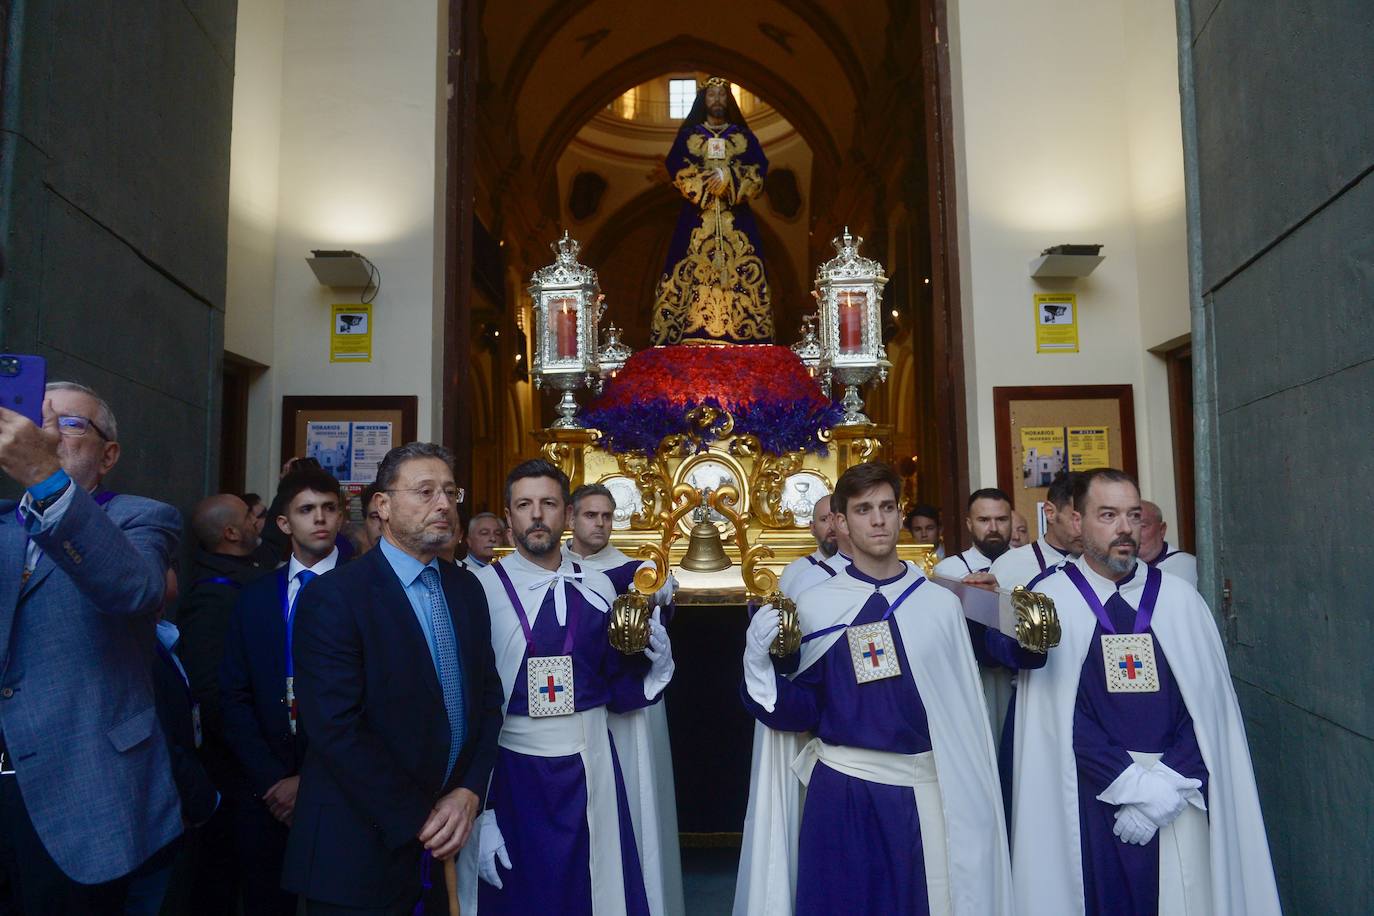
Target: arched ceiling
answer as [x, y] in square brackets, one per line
[551, 66]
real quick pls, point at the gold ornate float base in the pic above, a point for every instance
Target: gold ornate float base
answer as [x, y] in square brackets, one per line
[775, 494]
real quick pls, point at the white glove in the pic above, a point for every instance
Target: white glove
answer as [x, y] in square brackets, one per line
[490, 846]
[1132, 826]
[664, 596]
[660, 652]
[1159, 797]
[758, 668]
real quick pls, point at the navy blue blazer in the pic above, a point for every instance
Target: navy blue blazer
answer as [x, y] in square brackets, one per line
[252, 687]
[370, 700]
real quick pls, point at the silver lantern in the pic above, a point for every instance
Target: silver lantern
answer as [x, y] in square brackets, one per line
[567, 306]
[613, 353]
[849, 296]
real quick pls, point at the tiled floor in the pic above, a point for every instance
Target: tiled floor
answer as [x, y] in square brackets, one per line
[708, 880]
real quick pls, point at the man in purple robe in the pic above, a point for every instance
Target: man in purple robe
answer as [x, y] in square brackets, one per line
[902, 813]
[1133, 789]
[557, 835]
[714, 286]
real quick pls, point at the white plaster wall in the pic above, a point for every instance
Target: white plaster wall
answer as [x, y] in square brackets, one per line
[359, 98]
[254, 169]
[1063, 110]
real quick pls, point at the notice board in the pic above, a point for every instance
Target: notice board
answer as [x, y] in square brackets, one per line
[1046, 428]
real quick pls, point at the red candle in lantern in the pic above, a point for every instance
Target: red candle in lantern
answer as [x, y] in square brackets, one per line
[851, 322]
[563, 316]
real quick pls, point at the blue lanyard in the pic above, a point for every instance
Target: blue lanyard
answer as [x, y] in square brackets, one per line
[289, 613]
[886, 614]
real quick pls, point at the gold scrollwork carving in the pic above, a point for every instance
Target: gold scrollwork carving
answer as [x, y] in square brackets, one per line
[767, 481]
[628, 627]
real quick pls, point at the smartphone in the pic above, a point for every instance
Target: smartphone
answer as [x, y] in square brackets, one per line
[22, 383]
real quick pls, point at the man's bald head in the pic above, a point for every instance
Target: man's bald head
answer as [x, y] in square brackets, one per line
[1152, 530]
[223, 523]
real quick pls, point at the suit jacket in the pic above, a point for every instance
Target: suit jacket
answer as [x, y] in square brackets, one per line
[174, 712]
[371, 701]
[252, 677]
[76, 688]
[207, 603]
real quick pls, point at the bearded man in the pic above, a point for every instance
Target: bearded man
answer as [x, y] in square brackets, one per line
[1133, 790]
[557, 835]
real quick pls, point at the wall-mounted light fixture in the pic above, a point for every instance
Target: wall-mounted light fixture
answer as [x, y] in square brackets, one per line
[1060, 261]
[345, 269]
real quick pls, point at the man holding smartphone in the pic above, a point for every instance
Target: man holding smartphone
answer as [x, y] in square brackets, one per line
[87, 799]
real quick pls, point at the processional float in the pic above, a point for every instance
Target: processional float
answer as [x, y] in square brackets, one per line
[729, 444]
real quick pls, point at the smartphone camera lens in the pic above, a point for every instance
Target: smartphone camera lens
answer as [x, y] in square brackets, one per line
[9, 366]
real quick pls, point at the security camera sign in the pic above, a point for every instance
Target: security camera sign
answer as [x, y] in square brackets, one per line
[350, 336]
[1056, 323]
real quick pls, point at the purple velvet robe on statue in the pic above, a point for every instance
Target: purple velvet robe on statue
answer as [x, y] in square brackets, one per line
[714, 286]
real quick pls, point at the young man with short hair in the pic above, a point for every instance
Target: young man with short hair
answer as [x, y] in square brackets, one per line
[257, 688]
[1020, 565]
[902, 812]
[557, 835]
[1134, 788]
[923, 522]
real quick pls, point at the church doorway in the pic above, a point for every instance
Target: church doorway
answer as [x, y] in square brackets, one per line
[560, 119]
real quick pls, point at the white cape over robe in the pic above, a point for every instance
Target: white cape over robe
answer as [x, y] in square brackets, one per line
[1047, 867]
[941, 662]
[646, 762]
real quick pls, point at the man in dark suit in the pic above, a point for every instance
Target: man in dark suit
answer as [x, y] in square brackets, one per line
[226, 534]
[256, 688]
[399, 693]
[86, 789]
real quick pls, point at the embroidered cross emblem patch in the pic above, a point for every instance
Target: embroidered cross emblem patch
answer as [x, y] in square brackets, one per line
[549, 684]
[873, 652]
[1128, 660]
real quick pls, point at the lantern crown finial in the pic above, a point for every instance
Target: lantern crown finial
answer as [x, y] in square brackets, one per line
[567, 248]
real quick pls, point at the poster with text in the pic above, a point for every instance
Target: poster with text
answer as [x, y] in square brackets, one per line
[1042, 455]
[1088, 448]
[350, 334]
[371, 442]
[1056, 323]
[329, 444]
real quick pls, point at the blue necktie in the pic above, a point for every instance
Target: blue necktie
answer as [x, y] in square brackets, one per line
[450, 666]
[303, 577]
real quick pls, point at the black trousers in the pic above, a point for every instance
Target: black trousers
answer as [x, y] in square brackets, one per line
[36, 885]
[400, 908]
[259, 847]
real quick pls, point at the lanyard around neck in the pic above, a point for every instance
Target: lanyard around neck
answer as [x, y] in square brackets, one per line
[519, 608]
[1143, 614]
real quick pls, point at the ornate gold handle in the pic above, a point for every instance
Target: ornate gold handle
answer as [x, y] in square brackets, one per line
[1037, 621]
[628, 627]
[760, 582]
[789, 636]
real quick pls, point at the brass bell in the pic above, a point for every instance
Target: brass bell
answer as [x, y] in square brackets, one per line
[628, 626]
[705, 552]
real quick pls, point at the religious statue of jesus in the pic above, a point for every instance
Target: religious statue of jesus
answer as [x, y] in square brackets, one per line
[714, 288]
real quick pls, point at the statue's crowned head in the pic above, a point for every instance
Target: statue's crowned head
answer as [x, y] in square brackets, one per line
[717, 96]
[714, 101]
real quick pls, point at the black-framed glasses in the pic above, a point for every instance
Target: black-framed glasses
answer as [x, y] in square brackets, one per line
[427, 494]
[74, 427]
